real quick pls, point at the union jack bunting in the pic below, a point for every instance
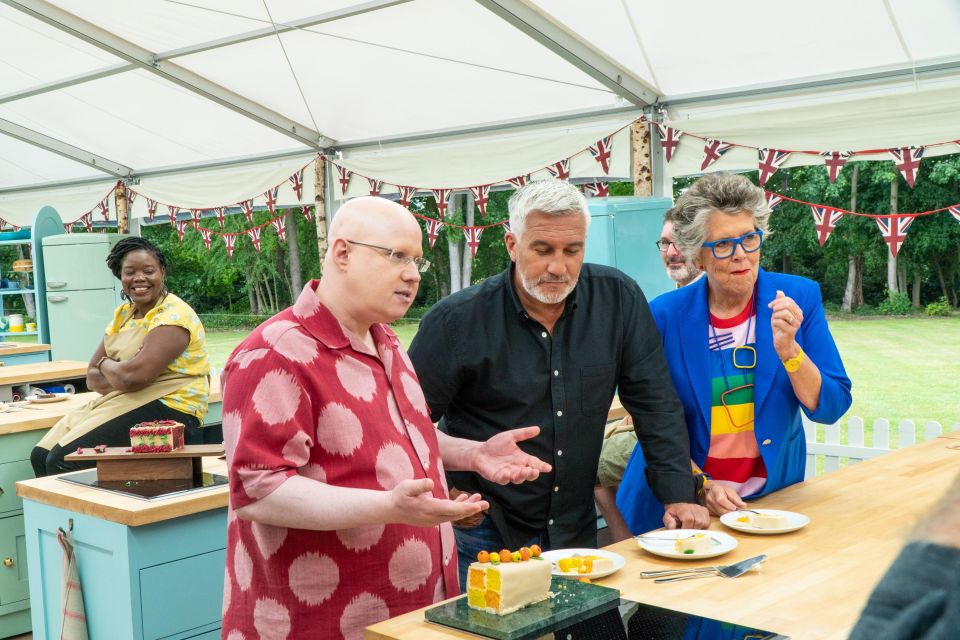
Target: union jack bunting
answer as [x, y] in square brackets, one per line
[151, 208]
[772, 199]
[182, 228]
[247, 207]
[207, 236]
[68, 227]
[835, 161]
[955, 211]
[104, 209]
[271, 196]
[713, 150]
[480, 197]
[305, 212]
[344, 179]
[894, 230]
[375, 186]
[907, 160]
[174, 210]
[296, 181]
[280, 226]
[230, 240]
[601, 153]
[433, 229]
[441, 196]
[221, 213]
[87, 220]
[196, 215]
[519, 181]
[770, 161]
[255, 237]
[560, 170]
[406, 195]
[669, 139]
[473, 238]
[596, 189]
[824, 220]
[131, 196]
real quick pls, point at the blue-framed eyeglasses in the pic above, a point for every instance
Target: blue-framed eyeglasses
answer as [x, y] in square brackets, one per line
[726, 247]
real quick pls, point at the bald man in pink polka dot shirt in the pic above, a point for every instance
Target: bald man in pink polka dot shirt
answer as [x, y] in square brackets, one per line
[339, 513]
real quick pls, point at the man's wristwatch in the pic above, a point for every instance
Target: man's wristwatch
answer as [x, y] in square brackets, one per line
[793, 364]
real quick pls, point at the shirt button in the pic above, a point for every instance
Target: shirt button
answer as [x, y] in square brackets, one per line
[555, 489]
[559, 414]
[556, 372]
[767, 441]
[560, 452]
[550, 522]
[543, 334]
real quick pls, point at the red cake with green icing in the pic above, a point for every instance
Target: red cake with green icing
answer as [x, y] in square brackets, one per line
[160, 436]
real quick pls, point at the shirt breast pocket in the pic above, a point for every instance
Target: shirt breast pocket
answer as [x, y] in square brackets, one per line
[596, 388]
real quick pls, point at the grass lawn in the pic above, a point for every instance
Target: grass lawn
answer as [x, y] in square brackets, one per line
[902, 369]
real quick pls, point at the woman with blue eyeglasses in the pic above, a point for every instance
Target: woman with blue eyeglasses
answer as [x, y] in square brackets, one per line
[748, 351]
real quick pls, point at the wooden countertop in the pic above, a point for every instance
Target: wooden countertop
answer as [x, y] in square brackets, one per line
[44, 416]
[816, 580]
[118, 508]
[19, 348]
[42, 371]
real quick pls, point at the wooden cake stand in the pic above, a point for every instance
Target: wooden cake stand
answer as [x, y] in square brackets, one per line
[117, 463]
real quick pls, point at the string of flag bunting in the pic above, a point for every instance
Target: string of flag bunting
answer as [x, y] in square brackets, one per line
[769, 160]
[893, 226]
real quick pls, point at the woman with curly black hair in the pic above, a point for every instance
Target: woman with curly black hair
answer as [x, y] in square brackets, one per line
[151, 364]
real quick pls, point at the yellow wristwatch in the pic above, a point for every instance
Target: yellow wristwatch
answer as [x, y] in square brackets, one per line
[793, 364]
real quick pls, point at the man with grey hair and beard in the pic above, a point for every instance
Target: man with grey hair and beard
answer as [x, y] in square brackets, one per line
[547, 343]
[678, 266]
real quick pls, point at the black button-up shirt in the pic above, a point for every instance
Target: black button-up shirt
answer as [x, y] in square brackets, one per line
[486, 366]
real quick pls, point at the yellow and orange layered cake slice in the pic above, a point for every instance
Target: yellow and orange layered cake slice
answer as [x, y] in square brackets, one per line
[503, 582]
[585, 564]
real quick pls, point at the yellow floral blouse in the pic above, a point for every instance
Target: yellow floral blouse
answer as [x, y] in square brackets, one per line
[191, 399]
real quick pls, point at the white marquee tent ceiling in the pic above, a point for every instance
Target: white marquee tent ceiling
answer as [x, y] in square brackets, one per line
[94, 91]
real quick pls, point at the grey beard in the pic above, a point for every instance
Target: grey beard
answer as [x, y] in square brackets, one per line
[533, 290]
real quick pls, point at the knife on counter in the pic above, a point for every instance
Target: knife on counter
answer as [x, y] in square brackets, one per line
[728, 571]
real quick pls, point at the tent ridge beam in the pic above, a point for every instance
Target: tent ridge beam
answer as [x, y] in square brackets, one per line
[144, 59]
[64, 149]
[211, 45]
[562, 41]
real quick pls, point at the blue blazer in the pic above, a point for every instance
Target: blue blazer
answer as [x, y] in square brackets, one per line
[681, 316]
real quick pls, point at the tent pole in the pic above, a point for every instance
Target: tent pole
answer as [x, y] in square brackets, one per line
[642, 170]
[120, 202]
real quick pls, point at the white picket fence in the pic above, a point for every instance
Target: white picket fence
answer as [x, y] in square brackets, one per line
[854, 450]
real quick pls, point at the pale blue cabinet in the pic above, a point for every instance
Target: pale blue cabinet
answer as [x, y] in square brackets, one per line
[161, 580]
[623, 234]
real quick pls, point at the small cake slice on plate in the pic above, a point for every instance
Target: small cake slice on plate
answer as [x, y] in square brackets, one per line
[697, 543]
[770, 521]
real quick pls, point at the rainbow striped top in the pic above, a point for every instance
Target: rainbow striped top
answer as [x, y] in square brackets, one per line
[734, 457]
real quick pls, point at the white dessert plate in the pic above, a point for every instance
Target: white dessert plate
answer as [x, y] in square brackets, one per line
[732, 520]
[558, 554]
[661, 543]
[57, 398]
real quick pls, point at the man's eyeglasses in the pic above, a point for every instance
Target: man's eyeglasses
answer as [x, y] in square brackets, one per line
[664, 245]
[398, 258]
[726, 247]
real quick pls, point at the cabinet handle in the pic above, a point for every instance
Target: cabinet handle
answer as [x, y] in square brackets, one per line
[8, 562]
[56, 285]
[57, 298]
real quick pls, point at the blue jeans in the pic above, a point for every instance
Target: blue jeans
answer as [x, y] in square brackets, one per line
[484, 537]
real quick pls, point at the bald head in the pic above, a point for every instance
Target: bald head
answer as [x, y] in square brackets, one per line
[369, 219]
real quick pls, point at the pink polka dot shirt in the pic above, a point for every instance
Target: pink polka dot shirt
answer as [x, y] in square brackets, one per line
[301, 396]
